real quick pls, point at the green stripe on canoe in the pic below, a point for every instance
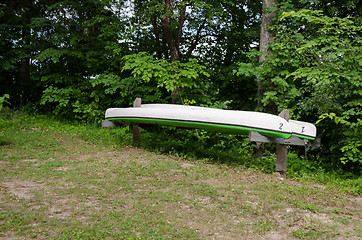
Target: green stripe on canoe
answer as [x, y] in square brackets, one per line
[231, 129]
[303, 136]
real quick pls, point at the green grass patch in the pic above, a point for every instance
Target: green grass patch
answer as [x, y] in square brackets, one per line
[61, 180]
[235, 150]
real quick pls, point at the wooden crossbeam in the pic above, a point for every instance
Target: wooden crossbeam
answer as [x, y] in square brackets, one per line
[106, 123]
[292, 141]
[282, 145]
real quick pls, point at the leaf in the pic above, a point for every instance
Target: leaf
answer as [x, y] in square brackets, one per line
[4, 99]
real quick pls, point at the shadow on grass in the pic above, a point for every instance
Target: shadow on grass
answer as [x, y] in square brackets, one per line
[215, 148]
[4, 141]
[234, 150]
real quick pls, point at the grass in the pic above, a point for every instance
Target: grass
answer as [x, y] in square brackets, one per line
[71, 181]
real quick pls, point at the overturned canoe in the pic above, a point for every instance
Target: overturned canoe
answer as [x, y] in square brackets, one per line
[300, 129]
[228, 121]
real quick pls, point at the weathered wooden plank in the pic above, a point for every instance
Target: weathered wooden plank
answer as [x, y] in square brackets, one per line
[106, 123]
[137, 102]
[294, 140]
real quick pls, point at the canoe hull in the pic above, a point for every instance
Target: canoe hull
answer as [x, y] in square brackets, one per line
[300, 129]
[227, 121]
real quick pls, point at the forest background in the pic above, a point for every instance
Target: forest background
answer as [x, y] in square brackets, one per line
[75, 59]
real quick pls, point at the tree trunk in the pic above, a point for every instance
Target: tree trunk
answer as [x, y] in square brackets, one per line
[173, 38]
[24, 79]
[157, 36]
[172, 41]
[268, 18]
[24, 70]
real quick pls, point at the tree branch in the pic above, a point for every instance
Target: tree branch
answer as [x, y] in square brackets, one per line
[197, 38]
[181, 23]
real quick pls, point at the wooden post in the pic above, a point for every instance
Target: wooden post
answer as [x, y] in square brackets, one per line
[282, 150]
[136, 128]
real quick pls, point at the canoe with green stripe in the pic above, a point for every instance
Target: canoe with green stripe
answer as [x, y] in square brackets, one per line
[227, 121]
[300, 129]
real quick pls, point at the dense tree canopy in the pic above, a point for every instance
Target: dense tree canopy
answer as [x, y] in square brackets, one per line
[76, 58]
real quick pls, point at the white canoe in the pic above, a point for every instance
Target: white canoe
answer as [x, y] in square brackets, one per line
[230, 121]
[300, 129]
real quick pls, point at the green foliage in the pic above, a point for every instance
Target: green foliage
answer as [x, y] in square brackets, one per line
[351, 144]
[331, 77]
[72, 101]
[314, 69]
[88, 100]
[77, 58]
[56, 95]
[170, 76]
[55, 54]
[4, 100]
